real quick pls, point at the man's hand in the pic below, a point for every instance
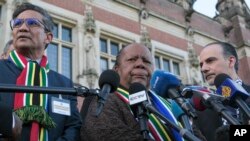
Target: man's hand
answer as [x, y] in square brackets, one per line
[17, 129]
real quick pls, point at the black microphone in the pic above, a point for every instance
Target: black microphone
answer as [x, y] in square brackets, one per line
[235, 92]
[138, 95]
[165, 84]
[108, 82]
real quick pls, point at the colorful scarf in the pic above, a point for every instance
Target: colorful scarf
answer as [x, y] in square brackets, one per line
[164, 107]
[32, 105]
[156, 126]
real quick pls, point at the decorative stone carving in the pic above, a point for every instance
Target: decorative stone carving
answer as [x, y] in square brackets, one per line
[228, 9]
[186, 4]
[188, 7]
[90, 52]
[193, 58]
[226, 24]
[231, 8]
[89, 25]
[19, 2]
[91, 77]
[194, 66]
[143, 1]
[90, 70]
[144, 14]
[145, 38]
[247, 15]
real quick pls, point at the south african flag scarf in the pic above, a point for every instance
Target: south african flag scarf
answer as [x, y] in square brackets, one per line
[32, 74]
[156, 127]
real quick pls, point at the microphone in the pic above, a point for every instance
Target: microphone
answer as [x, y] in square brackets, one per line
[188, 91]
[165, 84]
[108, 82]
[233, 91]
[138, 99]
[138, 95]
[181, 116]
[195, 93]
[202, 99]
[197, 103]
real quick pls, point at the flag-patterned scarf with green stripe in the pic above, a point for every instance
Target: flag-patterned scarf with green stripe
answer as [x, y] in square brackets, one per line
[156, 127]
[35, 103]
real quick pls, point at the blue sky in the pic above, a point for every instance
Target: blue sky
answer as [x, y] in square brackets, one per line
[207, 7]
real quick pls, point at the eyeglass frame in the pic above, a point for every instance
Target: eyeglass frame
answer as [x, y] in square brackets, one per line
[25, 21]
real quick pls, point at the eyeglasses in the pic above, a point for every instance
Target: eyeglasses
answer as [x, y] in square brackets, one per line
[30, 22]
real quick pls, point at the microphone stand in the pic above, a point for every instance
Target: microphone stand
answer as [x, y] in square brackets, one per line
[76, 91]
[102, 97]
[184, 132]
[243, 106]
[221, 109]
[142, 117]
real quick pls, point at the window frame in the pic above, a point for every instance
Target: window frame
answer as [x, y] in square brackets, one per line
[122, 42]
[164, 55]
[64, 44]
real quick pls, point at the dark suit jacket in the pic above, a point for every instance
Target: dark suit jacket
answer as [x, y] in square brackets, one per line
[67, 127]
[208, 121]
[5, 120]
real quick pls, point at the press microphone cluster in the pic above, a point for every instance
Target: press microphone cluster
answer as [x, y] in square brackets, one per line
[202, 99]
[138, 98]
[166, 85]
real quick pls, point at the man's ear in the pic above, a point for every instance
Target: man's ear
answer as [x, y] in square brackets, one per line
[115, 67]
[232, 61]
[49, 38]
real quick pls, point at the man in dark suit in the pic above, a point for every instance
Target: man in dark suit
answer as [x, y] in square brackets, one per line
[217, 58]
[45, 116]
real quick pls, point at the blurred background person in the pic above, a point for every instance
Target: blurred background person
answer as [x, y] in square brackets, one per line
[7, 49]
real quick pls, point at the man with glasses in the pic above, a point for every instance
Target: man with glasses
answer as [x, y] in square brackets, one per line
[45, 116]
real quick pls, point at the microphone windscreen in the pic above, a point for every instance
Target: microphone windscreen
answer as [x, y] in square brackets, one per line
[176, 109]
[136, 87]
[109, 77]
[162, 81]
[220, 78]
[197, 103]
[229, 88]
